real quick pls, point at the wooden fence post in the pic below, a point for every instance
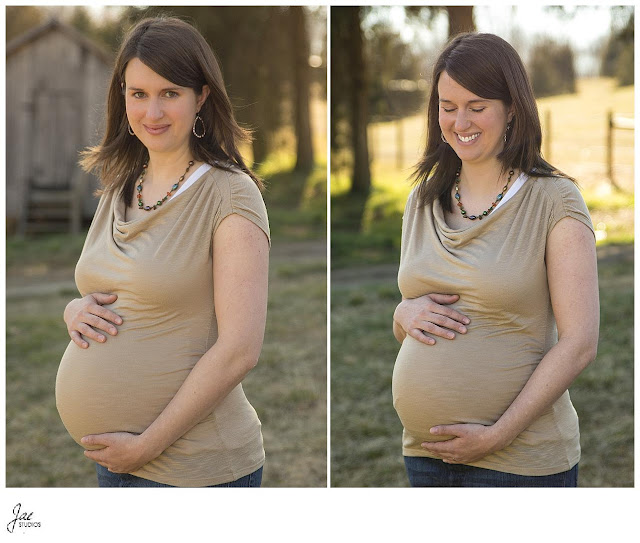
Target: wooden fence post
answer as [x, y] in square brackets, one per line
[547, 135]
[610, 146]
[399, 144]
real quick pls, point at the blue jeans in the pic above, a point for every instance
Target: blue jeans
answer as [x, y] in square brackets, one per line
[108, 479]
[424, 471]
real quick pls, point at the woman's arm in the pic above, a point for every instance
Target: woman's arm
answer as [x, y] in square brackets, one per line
[427, 314]
[240, 276]
[573, 286]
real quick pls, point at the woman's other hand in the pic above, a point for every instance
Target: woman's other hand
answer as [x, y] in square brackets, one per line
[470, 442]
[122, 452]
[84, 317]
[426, 315]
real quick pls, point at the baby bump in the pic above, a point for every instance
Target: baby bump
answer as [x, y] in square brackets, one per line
[454, 382]
[118, 386]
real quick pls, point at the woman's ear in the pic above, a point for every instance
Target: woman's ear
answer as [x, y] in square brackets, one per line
[511, 113]
[203, 96]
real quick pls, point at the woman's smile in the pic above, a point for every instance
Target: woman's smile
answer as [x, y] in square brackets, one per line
[467, 139]
[156, 129]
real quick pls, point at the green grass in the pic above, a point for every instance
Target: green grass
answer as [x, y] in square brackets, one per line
[39, 255]
[287, 388]
[366, 432]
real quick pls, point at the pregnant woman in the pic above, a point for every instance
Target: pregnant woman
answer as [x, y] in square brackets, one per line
[174, 269]
[498, 246]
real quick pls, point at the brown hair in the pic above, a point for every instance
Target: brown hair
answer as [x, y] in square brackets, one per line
[176, 51]
[489, 67]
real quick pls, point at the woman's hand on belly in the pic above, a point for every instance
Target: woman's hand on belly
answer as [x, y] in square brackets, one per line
[86, 316]
[428, 314]
[470, 442]
[123, 452]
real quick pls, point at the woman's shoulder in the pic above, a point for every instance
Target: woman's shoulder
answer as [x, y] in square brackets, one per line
[556, 189]
[230, 180]
[413, 200]
[563, 199]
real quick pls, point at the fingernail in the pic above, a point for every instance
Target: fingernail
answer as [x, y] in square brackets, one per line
[85, 345]
[119, 321]
[451, 336]
[101, 338]
[113, 331]
[463, 329]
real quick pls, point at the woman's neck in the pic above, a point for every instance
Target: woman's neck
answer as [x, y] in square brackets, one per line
[487, 178]
[167, 167]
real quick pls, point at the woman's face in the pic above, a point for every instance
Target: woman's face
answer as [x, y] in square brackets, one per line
[473, 126]
[160, 113]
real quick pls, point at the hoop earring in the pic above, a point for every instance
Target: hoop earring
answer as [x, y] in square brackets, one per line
[442, 137]
[204, 130]
[130, 129]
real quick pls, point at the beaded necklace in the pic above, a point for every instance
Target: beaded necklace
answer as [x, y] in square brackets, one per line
[159, 202]
[484, 213]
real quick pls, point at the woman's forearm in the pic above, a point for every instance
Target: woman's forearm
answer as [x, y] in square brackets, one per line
[213, 377]
[551, 378]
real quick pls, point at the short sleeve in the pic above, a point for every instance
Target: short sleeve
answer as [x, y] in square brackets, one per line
[240, 194]
[566, 201]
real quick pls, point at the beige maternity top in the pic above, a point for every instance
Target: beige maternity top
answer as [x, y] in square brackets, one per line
[160, 266]
[497, 266]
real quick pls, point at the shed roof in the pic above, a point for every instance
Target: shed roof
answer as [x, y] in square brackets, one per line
[52, 25]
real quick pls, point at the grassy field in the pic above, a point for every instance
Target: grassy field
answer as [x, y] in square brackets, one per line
[367, 230]
[365, 248]
[287, 388]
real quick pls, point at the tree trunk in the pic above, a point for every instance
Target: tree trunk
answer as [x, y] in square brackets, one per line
[460, 19]
[260, 148]
[301, 90]
[361, 180]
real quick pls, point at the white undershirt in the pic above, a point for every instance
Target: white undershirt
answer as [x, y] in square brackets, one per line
[514, 188]
[192, 179]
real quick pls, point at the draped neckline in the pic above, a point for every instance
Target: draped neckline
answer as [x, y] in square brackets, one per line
[119, 205]
[476, 227]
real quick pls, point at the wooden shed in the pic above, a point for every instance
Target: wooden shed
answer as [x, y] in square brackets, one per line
[56, 83]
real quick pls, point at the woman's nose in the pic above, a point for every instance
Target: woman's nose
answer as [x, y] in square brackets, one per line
[462, 123]
[154, 109]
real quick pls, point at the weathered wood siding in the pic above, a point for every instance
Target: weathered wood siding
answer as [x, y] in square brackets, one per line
[56, 89]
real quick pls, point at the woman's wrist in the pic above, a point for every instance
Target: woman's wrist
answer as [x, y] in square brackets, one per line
[152, 445]
[502, 436]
